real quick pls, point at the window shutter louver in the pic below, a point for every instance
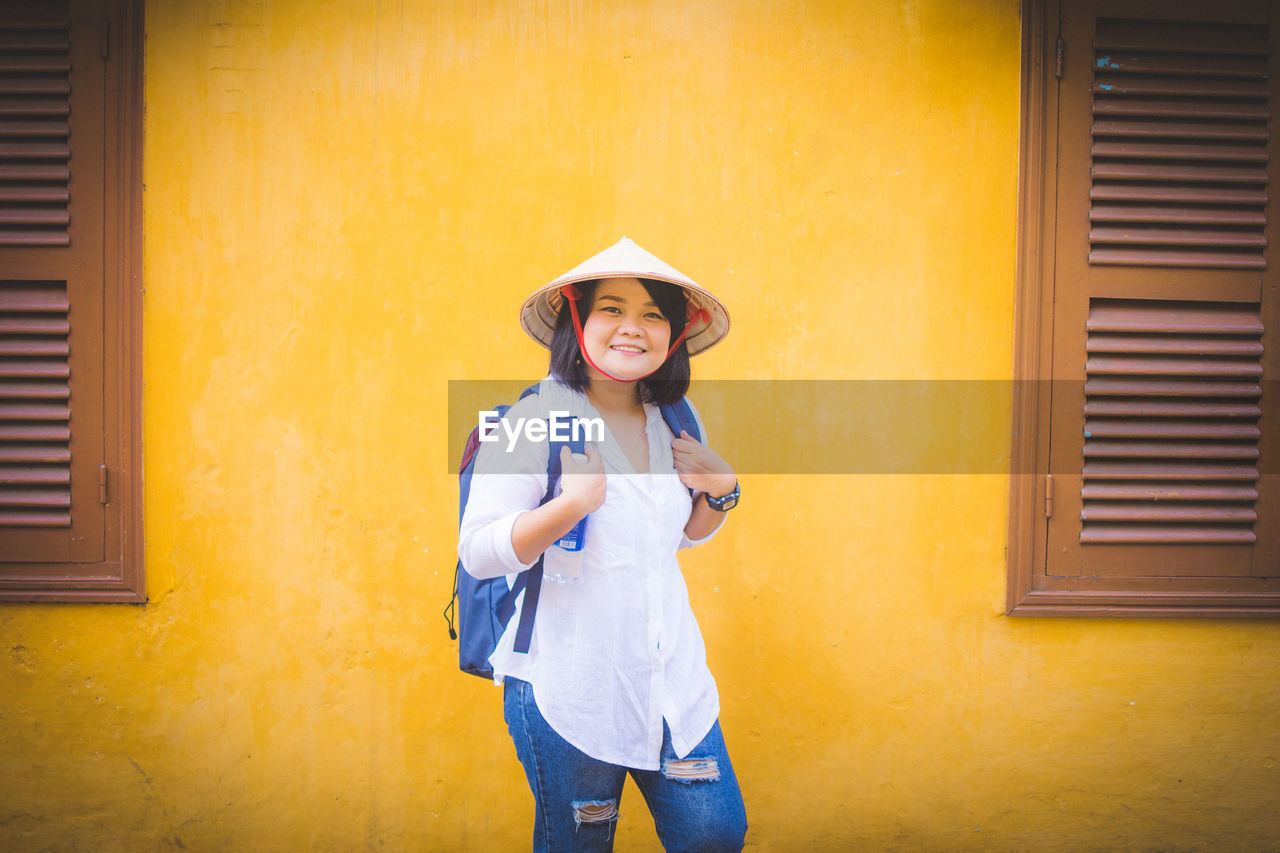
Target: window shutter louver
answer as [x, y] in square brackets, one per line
[35, 150]
[35, 414]
[1171, 422]
[1180, 131]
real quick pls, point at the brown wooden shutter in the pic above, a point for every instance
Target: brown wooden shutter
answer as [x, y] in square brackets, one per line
[53, 132]
[1160, 429]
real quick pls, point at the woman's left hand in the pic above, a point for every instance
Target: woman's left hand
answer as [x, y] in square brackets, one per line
[701, 468]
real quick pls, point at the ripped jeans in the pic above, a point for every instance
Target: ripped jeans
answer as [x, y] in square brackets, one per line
[695, 802]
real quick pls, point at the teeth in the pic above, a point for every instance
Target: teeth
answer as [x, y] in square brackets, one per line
[624, 348]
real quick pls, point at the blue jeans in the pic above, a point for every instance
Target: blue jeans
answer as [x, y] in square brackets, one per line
[695, 802]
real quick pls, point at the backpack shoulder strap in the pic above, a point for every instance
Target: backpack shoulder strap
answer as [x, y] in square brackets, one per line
[531, 581]
[679, 416]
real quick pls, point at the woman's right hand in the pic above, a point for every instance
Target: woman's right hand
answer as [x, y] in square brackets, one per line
[582, 484]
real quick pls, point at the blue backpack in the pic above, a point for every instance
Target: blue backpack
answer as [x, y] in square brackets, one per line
[484, 607]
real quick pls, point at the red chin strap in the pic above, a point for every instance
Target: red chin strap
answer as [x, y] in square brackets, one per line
[693, 315]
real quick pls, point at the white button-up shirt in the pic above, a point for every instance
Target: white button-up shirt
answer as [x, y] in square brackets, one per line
[619, 651]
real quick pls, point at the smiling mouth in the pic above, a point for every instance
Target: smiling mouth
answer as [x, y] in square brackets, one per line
[626, 348]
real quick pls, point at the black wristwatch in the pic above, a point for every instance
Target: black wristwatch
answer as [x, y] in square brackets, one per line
[724, 503]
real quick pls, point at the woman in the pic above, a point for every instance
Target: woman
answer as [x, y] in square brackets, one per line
[615, 680]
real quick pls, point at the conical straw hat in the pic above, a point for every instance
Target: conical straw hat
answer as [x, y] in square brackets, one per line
[625, 259]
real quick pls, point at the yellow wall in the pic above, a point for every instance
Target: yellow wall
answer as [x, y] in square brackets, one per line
[345, 203]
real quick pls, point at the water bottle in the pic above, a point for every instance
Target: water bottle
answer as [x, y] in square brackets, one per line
[569, 546]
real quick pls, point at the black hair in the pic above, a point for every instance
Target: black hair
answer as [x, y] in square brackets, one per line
[665, 385]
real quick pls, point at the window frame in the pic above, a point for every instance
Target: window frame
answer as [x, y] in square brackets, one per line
[1028, 591]
[119, 576]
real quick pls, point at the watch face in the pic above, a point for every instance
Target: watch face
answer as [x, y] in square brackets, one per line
[725, 503]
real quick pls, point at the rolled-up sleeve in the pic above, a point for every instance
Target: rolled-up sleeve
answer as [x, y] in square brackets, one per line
[505, 483]
[686, 542]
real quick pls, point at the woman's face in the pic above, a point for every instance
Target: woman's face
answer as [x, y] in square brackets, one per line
[625, 333]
